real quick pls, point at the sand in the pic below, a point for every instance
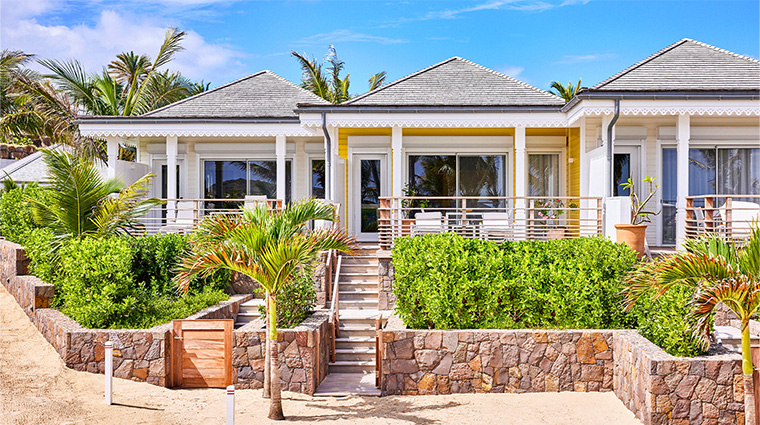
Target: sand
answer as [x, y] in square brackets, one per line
[36, 388]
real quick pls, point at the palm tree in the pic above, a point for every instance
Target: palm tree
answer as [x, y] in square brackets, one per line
[720, 272]
[327, 83]
[268, 246]
[566, 93]
[82, 204]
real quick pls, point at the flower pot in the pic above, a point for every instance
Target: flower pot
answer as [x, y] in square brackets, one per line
[633, 235]
[556, 233]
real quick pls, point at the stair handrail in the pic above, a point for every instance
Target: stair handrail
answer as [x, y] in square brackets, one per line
[334, 318]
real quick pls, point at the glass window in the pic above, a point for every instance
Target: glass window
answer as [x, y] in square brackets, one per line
[543, 174]
[433, 175]
[739, 172]
[622, 163]
[227, 180]
[318, 178]
[482, 175]
[702, 171]
[669, 196]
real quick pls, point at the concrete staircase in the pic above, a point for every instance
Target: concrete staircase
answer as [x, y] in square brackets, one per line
[249, 311]
[353, 371]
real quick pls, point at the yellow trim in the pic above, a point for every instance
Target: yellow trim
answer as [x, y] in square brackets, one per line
[459, 132]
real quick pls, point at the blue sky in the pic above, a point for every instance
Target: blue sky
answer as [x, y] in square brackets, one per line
[536, 41]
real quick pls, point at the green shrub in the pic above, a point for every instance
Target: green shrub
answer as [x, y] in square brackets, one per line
[295, 301]
[448, 282]
[43, 263]
[16, 219]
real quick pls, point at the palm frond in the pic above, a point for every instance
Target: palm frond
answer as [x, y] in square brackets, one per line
[119, 214]
[377, 80]
[312, 76]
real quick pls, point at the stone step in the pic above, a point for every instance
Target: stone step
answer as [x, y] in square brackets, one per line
[253, 303]
[348, 296]
[358, 304]
[357, 287]
[352, 367]
[345, 384]
[731, 338]
[345, 355]
[367, 269]
[363, 260]
[357, 330]
[344, 342]
[357, 279]
[245, 317]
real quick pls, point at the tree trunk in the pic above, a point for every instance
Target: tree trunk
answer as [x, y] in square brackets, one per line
[747, 369]
[275, 402]
[267, 388]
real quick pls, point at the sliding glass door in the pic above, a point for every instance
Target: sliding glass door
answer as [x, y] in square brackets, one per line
[236, 179]
[544, 174]
[712, 171]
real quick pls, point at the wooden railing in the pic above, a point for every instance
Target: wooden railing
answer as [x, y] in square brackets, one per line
[729, 216]
[334, 317]
[492, 218]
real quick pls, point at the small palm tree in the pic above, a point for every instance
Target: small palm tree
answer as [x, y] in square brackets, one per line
[566, 93]
[269, 247]
[330, 85]
[720, 272]
[82, 204]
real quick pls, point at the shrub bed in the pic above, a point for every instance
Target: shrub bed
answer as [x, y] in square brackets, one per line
[445, 281]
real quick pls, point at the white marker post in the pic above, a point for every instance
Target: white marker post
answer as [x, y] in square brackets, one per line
[231, 405]
[109, 372]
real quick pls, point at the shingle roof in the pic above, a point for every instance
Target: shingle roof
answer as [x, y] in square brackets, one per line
[456, 82]
[687, 65]
[261, 95]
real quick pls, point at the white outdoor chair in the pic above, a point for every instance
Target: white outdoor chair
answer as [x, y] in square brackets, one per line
[184, 221]
[427, 222]
[742, 215]
[496, 226]
[253, 201]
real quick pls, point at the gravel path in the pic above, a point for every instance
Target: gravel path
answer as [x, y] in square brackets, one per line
[36, 388]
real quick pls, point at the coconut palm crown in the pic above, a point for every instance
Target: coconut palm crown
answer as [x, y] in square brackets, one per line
[720, 271]
[269, 247]
[566, 93]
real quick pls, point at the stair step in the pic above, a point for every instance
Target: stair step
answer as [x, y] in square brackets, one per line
[253, 303]
[343, 384]
[360, 366]
[355, 350]
[354, 339]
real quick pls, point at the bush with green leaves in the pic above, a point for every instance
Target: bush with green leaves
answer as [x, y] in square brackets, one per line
[15, 212]
[445, 281]
[296, 300]
[119, 282]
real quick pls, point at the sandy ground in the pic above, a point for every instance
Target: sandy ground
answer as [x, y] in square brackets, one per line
[36, 388]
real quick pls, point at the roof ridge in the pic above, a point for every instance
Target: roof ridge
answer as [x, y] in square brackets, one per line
[274, 74]
[522, 83]
[728, 52]
[203, 93]
[640, 63]
[393, 83]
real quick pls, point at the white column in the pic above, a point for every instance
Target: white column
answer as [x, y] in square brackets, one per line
[606, 119]
[396, 146]
[583, 183]
[171, 175]
[112, 150]
[334, 166]
[280, 144]
[521, 165]
[683, 134]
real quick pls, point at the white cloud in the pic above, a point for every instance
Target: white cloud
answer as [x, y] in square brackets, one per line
[97, 43]
[523, 5]
[345, 35]
[513, 71]
[567, 59]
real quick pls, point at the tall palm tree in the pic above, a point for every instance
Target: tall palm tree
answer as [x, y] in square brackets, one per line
[324, 79]
[82, 204]
[566, 93]
[720, 272]
[268, 246]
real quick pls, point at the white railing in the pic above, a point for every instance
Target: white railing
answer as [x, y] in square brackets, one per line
[729, 216]
[495, 218]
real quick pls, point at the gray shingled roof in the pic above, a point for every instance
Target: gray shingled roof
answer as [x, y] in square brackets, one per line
[456, 82]
[261, 95]
[687, 65]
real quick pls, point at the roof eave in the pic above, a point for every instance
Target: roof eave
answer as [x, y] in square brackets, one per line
[310, 108]
[662, 95]
[188, 120]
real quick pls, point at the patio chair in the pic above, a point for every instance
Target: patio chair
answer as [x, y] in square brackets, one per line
[184, 220]
[742, 215]
[427, 222]
[496, 226]
[253, 201]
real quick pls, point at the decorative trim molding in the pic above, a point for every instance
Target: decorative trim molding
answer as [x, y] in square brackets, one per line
[441, 123]
[198, 133]
[675, 110]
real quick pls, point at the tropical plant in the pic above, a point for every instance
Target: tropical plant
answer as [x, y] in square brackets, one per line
[271, 247]
[566, 93]
[717, 271]
[328, 83]
[638, 215]
[80, 203]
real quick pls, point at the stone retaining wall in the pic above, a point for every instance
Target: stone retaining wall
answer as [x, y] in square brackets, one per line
[303, 352]
[663, 389]
[513, 361]
[386, 299]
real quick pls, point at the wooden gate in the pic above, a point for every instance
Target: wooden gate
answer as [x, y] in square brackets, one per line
[201, 353]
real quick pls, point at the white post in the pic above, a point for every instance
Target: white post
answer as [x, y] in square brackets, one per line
[109, 372]
[335, 157]
[171, 176]
[112, 151]
[521, 166]
[396, 146]
[683, 134]
[280, 145]
[583, 183]
[231, 405]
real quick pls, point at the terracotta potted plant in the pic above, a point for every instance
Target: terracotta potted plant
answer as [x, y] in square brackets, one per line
[634, 234]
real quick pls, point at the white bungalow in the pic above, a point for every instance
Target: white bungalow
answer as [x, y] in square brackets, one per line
[486, 155]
